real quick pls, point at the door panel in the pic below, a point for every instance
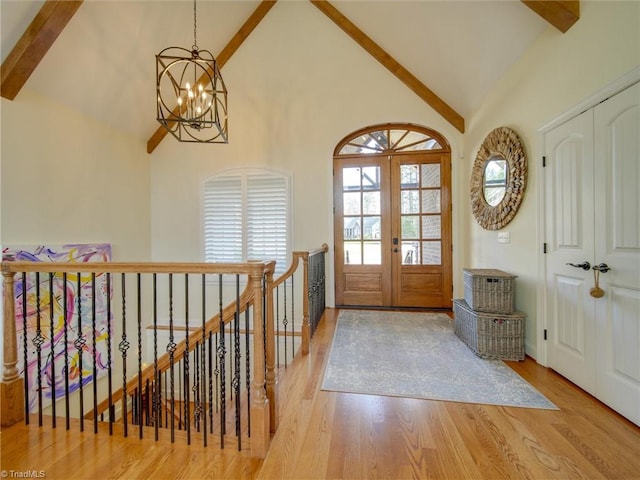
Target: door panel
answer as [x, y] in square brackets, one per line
[593, 214]
[361, 232]
[617, 210]
[421, 221]
[569, 182]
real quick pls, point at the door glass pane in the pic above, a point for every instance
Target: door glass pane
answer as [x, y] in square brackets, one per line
[352, 253]
[410, 253]
[372, 253]
[370, 203]
[351, 203]
[351, 178]
[371, 178]
[431, 201]
[408, 176]
[431, 175]
[410, 201]
[371, 228]
[431, 226]
[432, 253]
[352, 228]
[410, 226]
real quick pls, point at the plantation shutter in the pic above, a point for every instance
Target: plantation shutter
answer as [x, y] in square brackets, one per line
[267, 213]
[223, 219]
[246, 217]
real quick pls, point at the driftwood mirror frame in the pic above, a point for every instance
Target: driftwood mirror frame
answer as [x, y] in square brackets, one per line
[504, 143]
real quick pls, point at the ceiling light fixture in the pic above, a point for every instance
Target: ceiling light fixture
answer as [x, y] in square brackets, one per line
[192, 97]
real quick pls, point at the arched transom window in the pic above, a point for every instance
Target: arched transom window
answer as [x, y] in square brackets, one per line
[391, 138]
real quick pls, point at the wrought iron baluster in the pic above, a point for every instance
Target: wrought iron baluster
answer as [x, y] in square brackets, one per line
[157, 412]
[221, 363]
[79, 344]
[171, 347]
[236, 373]
[25, 348]
[65, 313]
[95, 352]
[123, 346]
[181, 390]
[187, 380]
[37, 341]
[213, 376]
[203, 360]
[109, 359]
[293, 316]
[139, 327]
[277, 320]
[248, 368]
[195, 388]
[285, 322]
[52, 353]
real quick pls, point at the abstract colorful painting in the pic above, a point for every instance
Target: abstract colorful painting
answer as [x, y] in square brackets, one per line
[61, 336]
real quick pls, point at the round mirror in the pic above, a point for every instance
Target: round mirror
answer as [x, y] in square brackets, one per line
[498, 179]
[494, 185]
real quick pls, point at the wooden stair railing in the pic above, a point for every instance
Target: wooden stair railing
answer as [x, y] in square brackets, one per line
[259, 294]
[13, 386]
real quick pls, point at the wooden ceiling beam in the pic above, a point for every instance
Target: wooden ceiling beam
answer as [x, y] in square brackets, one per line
[391, 64]
[562, 14]
[35, 42]
[224, 56]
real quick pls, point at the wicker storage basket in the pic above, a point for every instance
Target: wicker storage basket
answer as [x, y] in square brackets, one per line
[489, 290]
[490, 335]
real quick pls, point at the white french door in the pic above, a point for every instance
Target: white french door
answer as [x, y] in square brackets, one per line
[592, 217]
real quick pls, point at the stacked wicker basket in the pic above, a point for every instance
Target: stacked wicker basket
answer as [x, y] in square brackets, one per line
[486, 320]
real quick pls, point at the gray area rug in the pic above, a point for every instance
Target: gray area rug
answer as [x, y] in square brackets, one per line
[418, 355]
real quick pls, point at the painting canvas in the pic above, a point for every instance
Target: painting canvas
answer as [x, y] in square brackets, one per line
[61, 336]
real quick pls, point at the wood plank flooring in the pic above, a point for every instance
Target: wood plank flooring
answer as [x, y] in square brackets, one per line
[347, 436]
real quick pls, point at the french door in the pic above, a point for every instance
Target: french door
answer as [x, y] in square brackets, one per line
[392, 224]
[593, 254]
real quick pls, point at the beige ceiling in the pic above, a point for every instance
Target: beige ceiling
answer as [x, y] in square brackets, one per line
[103, 62]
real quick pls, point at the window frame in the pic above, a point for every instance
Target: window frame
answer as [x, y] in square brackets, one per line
[244, 174]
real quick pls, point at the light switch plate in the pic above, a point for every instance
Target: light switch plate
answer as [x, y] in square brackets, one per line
[504, 237]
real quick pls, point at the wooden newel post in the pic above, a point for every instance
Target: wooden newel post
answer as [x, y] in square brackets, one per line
[260, 423]
[12, 386]
[306, 328]
[271, 380]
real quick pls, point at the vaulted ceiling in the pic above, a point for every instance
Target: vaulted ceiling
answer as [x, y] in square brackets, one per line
[98, 56]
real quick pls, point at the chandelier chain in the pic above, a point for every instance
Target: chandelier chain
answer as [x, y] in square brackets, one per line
[195, 42]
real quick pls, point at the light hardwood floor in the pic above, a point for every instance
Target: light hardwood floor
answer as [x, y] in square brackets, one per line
[347, 436]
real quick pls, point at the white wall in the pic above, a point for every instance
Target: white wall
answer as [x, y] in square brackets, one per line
[297, 86]
[68, 179]
[556, 73]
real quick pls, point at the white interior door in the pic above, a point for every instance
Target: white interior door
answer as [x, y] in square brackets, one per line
[593, 215]
[570, 241]
[617, 237]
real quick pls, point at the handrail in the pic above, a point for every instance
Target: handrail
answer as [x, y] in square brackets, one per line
[258, 294]
[12, 385]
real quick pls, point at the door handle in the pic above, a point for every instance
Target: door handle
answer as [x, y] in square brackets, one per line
[603, 268]
[584, 265]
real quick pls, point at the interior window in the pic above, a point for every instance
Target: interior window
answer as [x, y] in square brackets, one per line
[246, 217]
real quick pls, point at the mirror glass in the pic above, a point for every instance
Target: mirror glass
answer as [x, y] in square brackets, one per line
[496, 172]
